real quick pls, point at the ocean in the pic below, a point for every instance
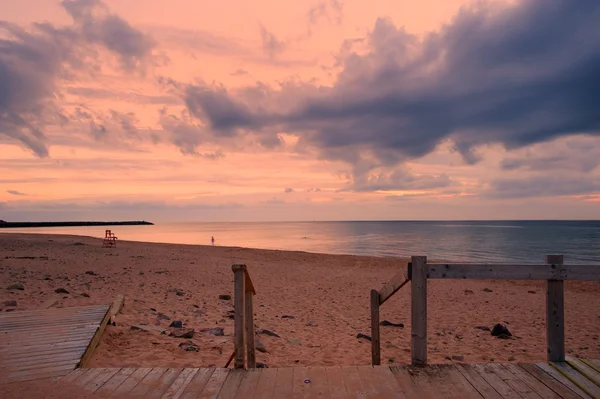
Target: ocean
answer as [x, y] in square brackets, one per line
[469, 241]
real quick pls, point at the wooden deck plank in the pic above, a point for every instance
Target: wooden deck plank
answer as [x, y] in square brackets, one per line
[266, 384]
[406, 384]
[384, 382]
[249, 384]
[496, 382]
[522, 389]
[213, 386]
[439, 376]
[148, 382]
[460, 382]
[132, 381]
[532, 382]
[163, 383]
[354, 385]
[337, 386]
[180, 384]
[551, 382]
[589, 372]
[424, 384]
[478, 382]
[283, 383]
[562, 380]
[299, 387]
[593, 363]
[101, 379]
[578, 379]
[114, 382]
[231, 384]
[318, 386]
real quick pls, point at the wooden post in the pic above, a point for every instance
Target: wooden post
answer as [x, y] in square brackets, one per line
[419, 310]
[250, 350]
[375, 342]
[239, 288]
[555, 314]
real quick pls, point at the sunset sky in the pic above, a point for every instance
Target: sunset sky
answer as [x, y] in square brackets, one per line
[307, 110]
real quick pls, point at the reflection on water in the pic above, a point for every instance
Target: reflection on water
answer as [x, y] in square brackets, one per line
[514, 241]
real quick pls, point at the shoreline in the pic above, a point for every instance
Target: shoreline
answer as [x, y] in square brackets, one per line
[327, 295]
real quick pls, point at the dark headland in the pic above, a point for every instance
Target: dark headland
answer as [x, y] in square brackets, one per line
[5, 225]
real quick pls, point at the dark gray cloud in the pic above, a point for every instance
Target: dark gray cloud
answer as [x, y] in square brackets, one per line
[543, 186]
[272, 46]
[509, 74]
[398, 179]
[288, 190]
[34, 62]
[15, 192]
[331, 11]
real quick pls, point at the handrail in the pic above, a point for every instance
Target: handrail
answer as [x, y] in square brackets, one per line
[245, 353]
[554, 271]
[378, 298]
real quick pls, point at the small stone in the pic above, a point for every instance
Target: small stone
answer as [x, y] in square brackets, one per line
[225, 297]
[389, 323]
[512, 359]
[176, 324]
[177, 291]
[183, 333]
[152, 309]
[487, 290]
[483, 328]
[268, 332]
[260, 365]
[258, 344]
[501, 331]
[469, 292]
[161, 316]
[10, 303]
[196, 306]
[17, 286]
[458, 358]
[189, 346]
[364, 336]
[532, 292]
[294, 342]
[391, 360]
[448, 358]
[218, 331]
[141, 273]
[78, 244]
[288, 317]
[91, 273]
[85, 295]
[61, 291]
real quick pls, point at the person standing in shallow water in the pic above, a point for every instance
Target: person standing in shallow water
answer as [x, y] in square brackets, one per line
[212, 240]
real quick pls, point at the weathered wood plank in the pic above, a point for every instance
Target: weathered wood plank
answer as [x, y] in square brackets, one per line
[114, 382]
[532, 382]
[250, 343]
[115, 308]
[393, 286]
[478, 382]
[164, 382]
[384, 383]
[514, 272]
[354, 385]
[495, 381]
[593, 363]
[112, 311]
[589, 372]
[549, 380]
[239, 293]
[375, 335]
[407, 386]
[249, 384]
[283, 383]
[266, 384]
[460, 382]
[318, 386]
[337, 386]
[424, 384]
[522, 389]
[213, 386]
[148, 382]
[299, 387]
[578, 379]
[101, 379]
[419, 310]
[131, 382]
[231, 384]
[549, 370]
[178, 386]
[439, 377]
[555, 314]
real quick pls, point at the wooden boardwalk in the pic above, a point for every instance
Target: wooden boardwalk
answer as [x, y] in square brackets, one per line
[496, 381]
[47, 343]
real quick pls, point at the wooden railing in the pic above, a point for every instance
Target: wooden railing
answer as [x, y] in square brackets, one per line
[418, 272]
[245, 353]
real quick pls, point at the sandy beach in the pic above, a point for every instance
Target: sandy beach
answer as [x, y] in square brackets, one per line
[326, 299]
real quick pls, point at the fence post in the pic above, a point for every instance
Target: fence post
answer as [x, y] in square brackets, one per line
[250, 347]
[419, 310]
[239, 288]
[555, 314]
[375, 342]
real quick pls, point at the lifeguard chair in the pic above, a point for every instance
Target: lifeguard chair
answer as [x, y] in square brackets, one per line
[110, 240]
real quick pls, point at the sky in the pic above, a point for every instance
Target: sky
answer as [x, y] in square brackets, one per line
[195, 110]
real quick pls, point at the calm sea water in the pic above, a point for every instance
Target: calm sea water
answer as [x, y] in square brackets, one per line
[493, 241]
